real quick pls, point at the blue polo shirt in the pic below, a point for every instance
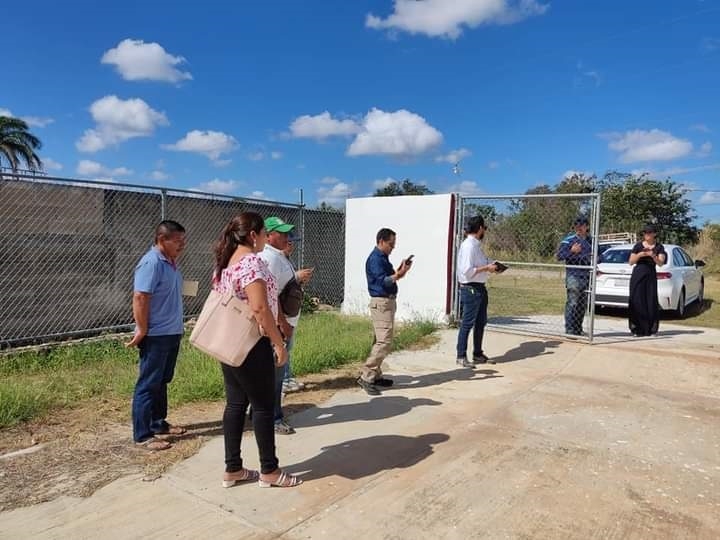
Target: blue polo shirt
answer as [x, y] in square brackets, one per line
[576, 259]
[160, 278]
[378, 270]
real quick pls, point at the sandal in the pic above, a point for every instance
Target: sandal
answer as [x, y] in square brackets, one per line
[283, 480]
[243, 475]
[172, 430]
[152, 444]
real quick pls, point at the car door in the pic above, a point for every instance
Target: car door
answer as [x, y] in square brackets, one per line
[692, 276]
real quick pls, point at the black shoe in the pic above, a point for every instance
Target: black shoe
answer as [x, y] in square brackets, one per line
[370, 388]
[480, 359]
[382, 381]
[463, 362]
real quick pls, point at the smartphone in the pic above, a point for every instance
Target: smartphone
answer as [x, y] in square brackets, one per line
[500, 267]
[409, 259]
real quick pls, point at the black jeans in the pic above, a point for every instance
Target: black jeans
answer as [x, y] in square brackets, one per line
[252, 383]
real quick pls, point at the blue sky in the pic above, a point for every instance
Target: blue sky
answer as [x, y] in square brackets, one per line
[337, 97]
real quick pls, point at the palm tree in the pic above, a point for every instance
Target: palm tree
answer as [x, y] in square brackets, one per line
[18, 145]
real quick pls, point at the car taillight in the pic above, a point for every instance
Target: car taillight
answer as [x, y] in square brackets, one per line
[664, 275]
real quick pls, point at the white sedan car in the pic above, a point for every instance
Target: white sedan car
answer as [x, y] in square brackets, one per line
[680, 280]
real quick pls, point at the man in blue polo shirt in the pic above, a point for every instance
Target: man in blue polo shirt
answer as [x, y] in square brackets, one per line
[158, 313]
[382, 285]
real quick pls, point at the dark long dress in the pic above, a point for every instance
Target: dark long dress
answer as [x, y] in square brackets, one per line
[643, 303]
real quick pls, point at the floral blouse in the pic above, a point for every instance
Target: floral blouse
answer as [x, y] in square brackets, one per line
[241, 274]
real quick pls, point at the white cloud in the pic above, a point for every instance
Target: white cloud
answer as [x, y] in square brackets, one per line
[322, 126]
[256, 156]
[674, 171]
[136, 60]
[705, 149]
[208, 143]
[334, 195]
[32, 121]
[454, 156]
[467, 187]
[159, 176]
[258, 195]
[85, 167]
[276, 155]
[118, 120]
[710, 197]
[493, 165]
[329, 180]
[223, 187]
[700, 127]
[49, 164]
[400, 133]
[653, 145]
[444, 18]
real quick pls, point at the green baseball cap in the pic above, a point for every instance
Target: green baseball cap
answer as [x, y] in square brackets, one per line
[274, 223]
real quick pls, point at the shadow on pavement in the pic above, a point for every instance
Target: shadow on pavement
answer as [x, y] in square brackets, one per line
[359, 458]
[433, 379]
[377, 408]
[528, 349]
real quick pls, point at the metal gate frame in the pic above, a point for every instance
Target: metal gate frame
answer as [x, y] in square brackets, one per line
[461, 218]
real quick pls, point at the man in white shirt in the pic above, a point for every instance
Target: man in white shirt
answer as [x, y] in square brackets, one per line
[282, 269]
[473, 268]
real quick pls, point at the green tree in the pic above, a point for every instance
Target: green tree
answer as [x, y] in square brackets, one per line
[325, 207]
[406, 187]
[629, 201]
[18, 145]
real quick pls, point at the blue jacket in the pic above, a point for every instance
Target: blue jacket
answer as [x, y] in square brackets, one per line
[379, 271]
[583, 258]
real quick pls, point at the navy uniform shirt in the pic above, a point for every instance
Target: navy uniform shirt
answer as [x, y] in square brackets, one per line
[379, 273]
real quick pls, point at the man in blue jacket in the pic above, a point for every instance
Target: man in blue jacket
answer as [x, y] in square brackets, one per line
[576, 250]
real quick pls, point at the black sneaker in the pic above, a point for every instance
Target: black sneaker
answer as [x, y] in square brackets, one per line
[463, 362]
[382, 381]
[369, 388]
[482, 359]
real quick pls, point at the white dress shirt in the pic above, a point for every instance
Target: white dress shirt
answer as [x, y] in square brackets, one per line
[282, 269]
[470, 256]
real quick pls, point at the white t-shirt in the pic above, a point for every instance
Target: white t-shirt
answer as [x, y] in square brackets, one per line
[470, 256]
[282, 269]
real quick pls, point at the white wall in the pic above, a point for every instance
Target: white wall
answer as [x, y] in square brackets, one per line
[422, 224]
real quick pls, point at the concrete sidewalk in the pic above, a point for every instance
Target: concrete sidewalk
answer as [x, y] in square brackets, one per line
[558, 440]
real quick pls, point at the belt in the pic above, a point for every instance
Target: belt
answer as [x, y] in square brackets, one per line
[390, 296]
[473, 284]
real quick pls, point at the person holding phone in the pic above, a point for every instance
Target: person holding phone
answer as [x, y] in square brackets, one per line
[644, 310]
[382, 281]
[473, 268]
[576, 250]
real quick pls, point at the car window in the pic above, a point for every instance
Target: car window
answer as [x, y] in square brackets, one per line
[677, 258]
[615, 256]
[687, 258]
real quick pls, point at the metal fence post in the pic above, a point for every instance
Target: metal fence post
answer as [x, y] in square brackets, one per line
[593, 272]
[163, 196]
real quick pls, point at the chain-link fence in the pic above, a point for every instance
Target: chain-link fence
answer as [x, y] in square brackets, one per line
[68, 250]
[548, 288]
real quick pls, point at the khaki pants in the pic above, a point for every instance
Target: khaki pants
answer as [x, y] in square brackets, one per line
[382, 312]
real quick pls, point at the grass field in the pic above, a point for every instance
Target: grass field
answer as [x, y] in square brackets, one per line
[35, 382]
[544, 293]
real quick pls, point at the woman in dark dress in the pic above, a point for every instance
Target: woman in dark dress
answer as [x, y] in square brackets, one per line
[643, 304]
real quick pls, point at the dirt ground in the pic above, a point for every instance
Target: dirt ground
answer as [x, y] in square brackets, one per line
[75, 452]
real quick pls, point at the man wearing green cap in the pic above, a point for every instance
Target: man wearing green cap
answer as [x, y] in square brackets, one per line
[282, 269]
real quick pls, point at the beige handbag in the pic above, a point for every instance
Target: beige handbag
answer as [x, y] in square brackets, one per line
[226, 328]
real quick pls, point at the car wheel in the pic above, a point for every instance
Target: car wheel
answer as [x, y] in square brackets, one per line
[680, 309]
[701, 294]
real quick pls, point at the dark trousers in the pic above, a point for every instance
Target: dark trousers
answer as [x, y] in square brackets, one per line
[252, 383]
[576, 304]
[158, 356]
[474, 304]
